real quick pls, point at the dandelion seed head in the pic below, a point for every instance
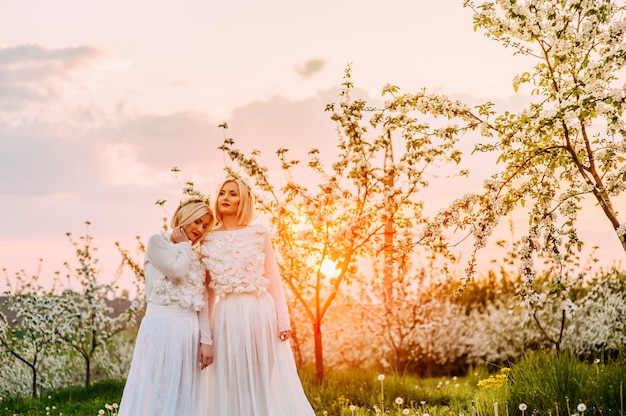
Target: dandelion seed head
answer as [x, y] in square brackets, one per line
[381, 377]
[523, 406]
[399, 400]
[581, 407]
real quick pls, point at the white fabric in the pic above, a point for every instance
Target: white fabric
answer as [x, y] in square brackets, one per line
[164, 377]
[174, 274]
[253, 373]
[243, 261]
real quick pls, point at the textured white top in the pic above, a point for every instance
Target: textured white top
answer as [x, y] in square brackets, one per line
[243, 261]
[175, 275]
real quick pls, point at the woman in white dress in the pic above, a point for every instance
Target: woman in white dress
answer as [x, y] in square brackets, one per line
[254, 371]
[174, 339]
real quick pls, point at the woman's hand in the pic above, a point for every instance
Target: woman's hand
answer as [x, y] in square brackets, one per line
[179, 235]
[205, 356]
[284, 335]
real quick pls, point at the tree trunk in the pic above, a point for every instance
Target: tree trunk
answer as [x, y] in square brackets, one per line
[87, 373]
[319, 354]
[34, 385]
[389, 223]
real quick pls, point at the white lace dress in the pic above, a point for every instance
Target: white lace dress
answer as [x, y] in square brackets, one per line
[165, 378]
[254, 373]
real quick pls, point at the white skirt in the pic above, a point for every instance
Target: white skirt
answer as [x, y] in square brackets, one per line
[164, 375]
[254, 373]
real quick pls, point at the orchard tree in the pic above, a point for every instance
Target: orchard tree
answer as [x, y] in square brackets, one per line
[88, 320]
[135, 263]
[27, 329]
[424, 327]
[566, 148]
[359, 207]
[38, 325]
[568, 145]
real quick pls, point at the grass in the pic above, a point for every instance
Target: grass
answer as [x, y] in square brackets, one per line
[362, 390]
[559, 384]
[365, 392]
[546, 385]
[76, 401]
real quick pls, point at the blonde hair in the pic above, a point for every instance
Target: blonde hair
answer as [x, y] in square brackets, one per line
[188, 212]
[245, 210]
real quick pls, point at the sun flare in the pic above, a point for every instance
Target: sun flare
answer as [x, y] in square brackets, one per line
[328, 267]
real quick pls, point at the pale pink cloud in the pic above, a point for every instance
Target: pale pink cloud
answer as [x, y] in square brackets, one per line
[32, 73]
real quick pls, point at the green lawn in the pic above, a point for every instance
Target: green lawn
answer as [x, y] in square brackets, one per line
[362, 392]
[539, 384]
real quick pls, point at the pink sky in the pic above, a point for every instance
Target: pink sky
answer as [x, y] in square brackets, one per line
[101, 98]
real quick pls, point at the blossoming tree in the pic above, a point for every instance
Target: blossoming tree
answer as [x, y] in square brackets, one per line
[29, 336]
[565, 149]
[366, 203]
[39, 326]
[88, 320]
[568, 145]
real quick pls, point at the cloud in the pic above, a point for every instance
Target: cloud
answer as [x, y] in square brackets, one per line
[45, 158]
[32, 73]
[121, 161]
[110, 168]
[107, 152]
[310, 67]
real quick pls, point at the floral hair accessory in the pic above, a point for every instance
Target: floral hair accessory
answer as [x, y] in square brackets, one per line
[194, 196]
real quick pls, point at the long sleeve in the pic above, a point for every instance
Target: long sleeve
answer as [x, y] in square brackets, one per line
[276, 286]
[211, 305]
[171, 259]
[204, 322]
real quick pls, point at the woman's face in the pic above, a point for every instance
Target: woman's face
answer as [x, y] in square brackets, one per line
[198, 228]
[228, 199]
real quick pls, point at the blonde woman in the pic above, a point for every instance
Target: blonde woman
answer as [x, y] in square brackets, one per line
[174, 340]
[254, 372]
